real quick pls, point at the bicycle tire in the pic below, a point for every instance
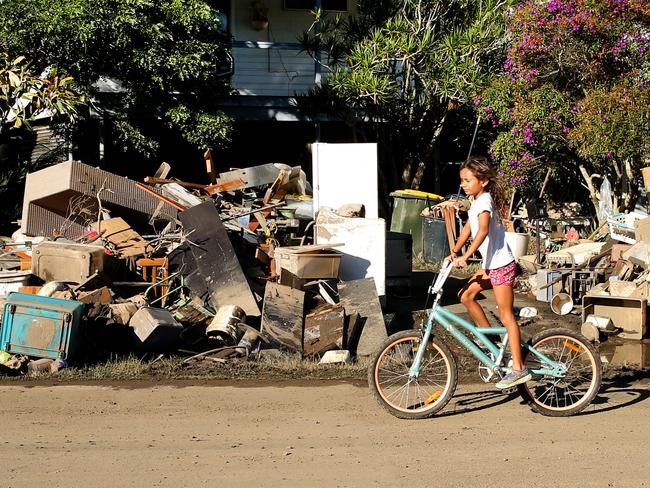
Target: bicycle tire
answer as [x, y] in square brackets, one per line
[390, 367]
[573, 393]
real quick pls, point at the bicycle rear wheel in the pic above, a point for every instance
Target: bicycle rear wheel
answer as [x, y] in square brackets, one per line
[561, 397]
[412, 398]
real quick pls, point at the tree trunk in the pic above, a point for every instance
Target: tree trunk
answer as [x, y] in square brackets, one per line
[437, 170]
[594, 194]
[630, 188]
[427, 156]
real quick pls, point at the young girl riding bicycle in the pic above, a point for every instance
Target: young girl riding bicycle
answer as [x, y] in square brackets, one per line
[479, 182]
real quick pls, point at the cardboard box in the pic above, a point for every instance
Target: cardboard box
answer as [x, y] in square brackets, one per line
[319, 264]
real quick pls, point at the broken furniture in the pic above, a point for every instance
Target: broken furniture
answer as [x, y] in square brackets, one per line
[66, 261]
[49, 194]
[399, 263]
[549, 284]
[209, 263]
[627, 313]
[124, 241]
[303, 263]
[154, 329]
[360, 296]
[41, 326]
[323, 329]
[282, 316]
[156, 272]
[364, 249]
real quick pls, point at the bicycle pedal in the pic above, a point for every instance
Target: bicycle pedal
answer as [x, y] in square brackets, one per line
[509, 391]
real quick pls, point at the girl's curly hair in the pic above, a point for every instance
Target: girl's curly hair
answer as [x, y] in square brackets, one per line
[482, 169]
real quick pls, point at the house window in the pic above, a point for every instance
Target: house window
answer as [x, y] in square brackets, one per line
[336, 5]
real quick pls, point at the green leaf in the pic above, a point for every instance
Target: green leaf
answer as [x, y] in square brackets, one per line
[14, 79]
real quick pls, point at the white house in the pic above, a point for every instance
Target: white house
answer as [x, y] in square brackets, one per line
[267, 57]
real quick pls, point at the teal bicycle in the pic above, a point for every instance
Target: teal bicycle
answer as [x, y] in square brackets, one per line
[415, 382]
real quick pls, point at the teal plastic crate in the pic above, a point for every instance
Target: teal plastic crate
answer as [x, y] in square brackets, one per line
[39, 326]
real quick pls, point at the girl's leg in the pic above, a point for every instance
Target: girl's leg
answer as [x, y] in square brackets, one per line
[477, 283]
[505, 299]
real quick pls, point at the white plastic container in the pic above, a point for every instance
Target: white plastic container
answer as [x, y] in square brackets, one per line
[518, 243]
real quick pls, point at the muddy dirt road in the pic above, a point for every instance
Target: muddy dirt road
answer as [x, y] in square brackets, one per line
[312, 435]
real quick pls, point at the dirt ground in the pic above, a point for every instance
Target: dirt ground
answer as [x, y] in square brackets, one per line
[57, 432]
[312, 434]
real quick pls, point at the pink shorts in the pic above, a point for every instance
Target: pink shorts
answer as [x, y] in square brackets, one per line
[505, 275]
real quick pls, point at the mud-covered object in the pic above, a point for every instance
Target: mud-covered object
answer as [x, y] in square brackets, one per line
[154, 329]
[41, 327]
[209, 265]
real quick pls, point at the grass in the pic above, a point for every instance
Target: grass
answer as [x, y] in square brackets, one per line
[167, 368]
[281, 367]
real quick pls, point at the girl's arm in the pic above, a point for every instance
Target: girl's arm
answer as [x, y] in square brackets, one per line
[462, 239]
[481, 234]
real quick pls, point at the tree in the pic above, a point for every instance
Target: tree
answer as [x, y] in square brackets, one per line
[574, 96]
[405, 66]
[24, 95]
[162, 54]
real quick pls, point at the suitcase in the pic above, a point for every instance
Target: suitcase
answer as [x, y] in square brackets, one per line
[39, 326]
[65, 261]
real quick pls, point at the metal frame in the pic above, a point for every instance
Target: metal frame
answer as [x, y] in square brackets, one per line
[438, 314]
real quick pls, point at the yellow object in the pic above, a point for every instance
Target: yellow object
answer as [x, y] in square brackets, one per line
[421, 194]
[433, 397]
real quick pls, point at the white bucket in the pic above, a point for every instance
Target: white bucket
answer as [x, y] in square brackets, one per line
[603, 323]
[518, 243]
[562, 304]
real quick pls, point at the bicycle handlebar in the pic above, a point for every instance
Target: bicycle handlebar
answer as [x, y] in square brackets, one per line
[444, 273]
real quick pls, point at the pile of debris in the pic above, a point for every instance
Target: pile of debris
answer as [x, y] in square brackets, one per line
[104, 265]
[605, 279]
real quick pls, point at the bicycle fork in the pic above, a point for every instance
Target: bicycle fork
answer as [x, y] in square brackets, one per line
[414, 370]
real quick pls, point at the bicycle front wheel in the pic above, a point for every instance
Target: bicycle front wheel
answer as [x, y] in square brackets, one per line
[561, 397]
[406, 397]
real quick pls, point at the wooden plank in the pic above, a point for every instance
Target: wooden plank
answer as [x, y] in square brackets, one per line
[323, 330]
[209, 166]
[210, 265]
[146, 189]
[310, 248]
[360, 296]
[235, 184]
[282, 315]
[163, 170]
[151, 180]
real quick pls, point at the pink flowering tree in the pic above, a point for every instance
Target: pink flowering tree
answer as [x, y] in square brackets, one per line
[574, 97]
